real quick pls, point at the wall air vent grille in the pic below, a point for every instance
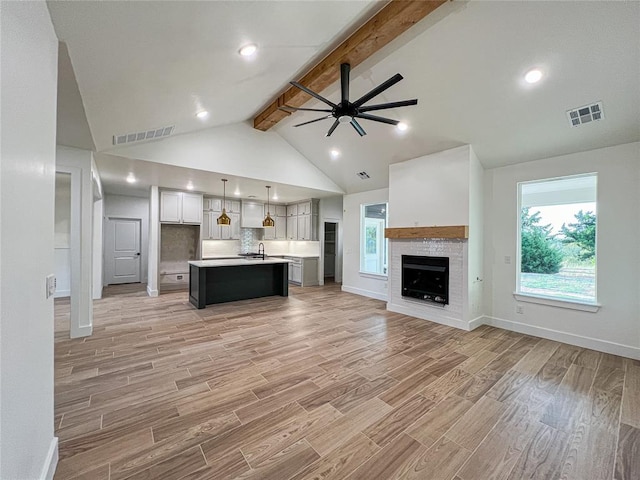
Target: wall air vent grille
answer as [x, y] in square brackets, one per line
[363, 175]
[146, 135]
[585, 114]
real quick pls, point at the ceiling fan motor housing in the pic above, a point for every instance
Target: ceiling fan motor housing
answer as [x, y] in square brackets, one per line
[346, 111]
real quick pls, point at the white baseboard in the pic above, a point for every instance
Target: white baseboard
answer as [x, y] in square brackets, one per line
[51, 462]
[62, 293]
[478, 321]
[364, 293]
[81, 331]
[152, 293]
[432, 317]
[570, 338]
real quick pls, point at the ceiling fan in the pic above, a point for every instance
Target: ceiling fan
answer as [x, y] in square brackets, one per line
[347, 111]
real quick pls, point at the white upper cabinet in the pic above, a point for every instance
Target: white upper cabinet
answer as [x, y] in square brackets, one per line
[171, 207]
[304, 208]
[191, 208]
[292, 210]
[292, 228]
[212, 205]
[280, 210]
[180, 207]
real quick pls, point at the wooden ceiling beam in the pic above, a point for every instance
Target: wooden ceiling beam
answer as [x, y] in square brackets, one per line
[390, 22]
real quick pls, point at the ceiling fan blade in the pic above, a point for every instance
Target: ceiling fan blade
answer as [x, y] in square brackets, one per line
[382, 106]
[287, 108]
[378, 90]
[358, 128]
[312, 121]
[345, 68]
[314, 94]
[375, 118]
[333, 127]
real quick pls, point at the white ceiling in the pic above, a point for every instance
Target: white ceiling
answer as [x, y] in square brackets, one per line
[141, 65]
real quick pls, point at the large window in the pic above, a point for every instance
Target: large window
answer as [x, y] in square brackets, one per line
[373, 245]
[557, 238]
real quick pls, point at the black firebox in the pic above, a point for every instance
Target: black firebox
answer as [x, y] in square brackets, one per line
[426, 278]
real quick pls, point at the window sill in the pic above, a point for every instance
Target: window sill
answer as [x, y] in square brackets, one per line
[377, 276]
[556, 302]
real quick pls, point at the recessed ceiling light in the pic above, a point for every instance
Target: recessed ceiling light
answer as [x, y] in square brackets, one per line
[202, 115]
[237, 193]
[248, 50]
[402, 126]
[335, 153]
[275, 196]
[131, 178]
[190, 186]
[533, 76]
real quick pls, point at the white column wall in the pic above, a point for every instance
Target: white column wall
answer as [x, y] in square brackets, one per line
[28, 448]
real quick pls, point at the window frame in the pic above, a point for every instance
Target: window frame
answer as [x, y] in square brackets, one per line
[362, 240]
[574, 304]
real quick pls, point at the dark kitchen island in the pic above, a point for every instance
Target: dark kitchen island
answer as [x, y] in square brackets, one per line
[219, 281]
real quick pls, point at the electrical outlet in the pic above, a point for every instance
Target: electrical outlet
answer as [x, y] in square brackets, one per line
[50, 285]
[519, 309]
[507, 259]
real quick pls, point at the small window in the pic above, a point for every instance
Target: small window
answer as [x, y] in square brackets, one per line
[373, 245]
[557, 238]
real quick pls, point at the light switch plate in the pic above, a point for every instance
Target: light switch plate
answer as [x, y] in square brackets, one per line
[51, 285]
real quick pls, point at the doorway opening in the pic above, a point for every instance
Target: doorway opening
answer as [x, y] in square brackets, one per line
[330, 257]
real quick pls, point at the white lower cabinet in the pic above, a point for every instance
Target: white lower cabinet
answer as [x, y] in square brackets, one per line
[303, 271]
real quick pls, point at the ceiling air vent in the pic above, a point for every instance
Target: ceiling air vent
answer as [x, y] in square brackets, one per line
[146, 135]
[586, 114]
[363, 175]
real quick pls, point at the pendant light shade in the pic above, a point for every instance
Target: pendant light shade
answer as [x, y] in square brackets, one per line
[268, 221]
[224, 219]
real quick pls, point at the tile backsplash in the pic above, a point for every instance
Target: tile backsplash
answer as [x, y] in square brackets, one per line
[271, 247]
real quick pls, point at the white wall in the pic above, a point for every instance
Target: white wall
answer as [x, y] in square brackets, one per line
[81, 166]
[62, 235]
[122, 206]
[352, 280]
[430, 190]
[331, 210]
[616, 327]
[28, 449]
[236, 149]
[98, 207]
[476, 237]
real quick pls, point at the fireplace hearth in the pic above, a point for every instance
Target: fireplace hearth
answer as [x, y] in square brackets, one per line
[426, 278]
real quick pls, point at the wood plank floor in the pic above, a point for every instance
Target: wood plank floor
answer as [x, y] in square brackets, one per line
[329, 385]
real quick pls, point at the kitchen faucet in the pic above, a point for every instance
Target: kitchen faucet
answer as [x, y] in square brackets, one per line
[261, 252]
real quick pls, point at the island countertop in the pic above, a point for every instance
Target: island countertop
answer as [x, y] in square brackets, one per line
[236, 262]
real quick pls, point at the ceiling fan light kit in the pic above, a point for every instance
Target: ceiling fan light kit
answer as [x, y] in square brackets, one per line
[348, 112]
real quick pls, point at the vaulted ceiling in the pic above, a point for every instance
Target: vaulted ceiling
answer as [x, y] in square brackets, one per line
[143, 65]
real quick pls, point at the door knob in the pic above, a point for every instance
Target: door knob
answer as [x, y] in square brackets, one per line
[138, 254]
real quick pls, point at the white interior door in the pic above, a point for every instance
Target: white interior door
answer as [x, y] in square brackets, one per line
[122, 251]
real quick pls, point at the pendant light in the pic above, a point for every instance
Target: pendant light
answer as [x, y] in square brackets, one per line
[268, 221]
[224, 219]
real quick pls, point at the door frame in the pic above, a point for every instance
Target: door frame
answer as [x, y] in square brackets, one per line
[104, 245]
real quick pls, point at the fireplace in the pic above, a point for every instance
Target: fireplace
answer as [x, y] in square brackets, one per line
[426, 278]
